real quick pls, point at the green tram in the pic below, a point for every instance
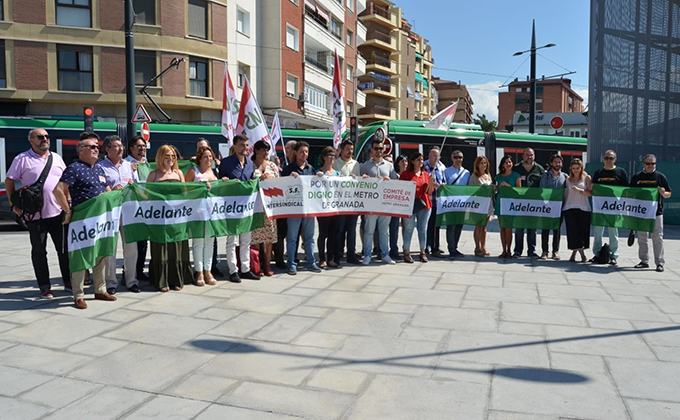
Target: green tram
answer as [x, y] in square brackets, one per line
[411, 136]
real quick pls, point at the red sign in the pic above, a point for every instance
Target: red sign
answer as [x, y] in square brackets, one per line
[388, 146]
[556, 122]
[146, 133]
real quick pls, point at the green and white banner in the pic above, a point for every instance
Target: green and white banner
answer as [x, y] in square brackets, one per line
[93, 231]
[530, 208]
[463, 204]
[625, 207]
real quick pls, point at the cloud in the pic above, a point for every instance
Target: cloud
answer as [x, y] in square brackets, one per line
[485, 98]
[583, 93]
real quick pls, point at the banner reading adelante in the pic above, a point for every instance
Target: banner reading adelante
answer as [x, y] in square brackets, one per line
[463, 204]
[530, 208]
[313, 196]
[625, 207]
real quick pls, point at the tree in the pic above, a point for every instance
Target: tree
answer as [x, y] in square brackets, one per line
[485, 123]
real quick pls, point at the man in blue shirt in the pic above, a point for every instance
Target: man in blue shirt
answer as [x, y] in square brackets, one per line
[119, 173]
[298, 167]
[83, 180]
[454, 175]
[553, 178]
[239, 167]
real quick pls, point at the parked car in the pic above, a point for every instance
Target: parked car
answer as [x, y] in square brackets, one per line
[6, 212]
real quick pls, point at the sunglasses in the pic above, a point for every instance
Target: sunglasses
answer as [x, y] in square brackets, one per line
[649, 163]
[91, 147]
[42, 137]
[331, 156]
[609, 158]
[377, 149]
[169, 156]
[458, 157]
[143, 146]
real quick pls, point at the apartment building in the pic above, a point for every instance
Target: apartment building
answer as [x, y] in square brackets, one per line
[450, 92]
[425, 99]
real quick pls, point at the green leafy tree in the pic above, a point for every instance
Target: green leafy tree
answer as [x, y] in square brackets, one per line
[485, 123]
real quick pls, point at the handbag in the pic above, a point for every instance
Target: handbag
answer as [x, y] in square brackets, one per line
[30, 200]
[418, 204]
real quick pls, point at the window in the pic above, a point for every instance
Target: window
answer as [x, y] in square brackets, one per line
[316, 99]
[295, 2]
[74, 13]
[145, 11]
[75, 68]
[350, 72]
[198, 19]
[145, 67]
[350, 108]
[350, 38]
[2, 10]
[243, 73]
[243, 22]
[350, 5]
[336, 28]
[291, 86]
[292, 38]
[575, 133]
[198, 77]
[3, 65]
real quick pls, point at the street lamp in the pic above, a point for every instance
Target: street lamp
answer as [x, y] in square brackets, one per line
[532, 76]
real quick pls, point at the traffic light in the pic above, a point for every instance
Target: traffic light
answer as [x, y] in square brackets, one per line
[88, 117]
[353, 129]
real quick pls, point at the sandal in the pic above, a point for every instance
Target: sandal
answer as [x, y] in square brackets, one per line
[177, 288]
[407, 257]
[164, 289]
[423, 257]
[198, 279]
[323, 265]
[479, 253]
[209, 278]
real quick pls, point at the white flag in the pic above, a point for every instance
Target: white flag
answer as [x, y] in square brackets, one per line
[275, 136]
[338, 105]
[250, 120]
[230, 106]
[443, 119]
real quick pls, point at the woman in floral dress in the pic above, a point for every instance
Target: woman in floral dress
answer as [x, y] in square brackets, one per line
[266, 235]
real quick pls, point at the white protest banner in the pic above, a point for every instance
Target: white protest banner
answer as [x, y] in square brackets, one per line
[313, 196]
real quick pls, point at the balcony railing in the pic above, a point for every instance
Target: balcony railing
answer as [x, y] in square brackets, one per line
[380, 36]
[316, 17]
[381, 61]
[320, 63]
[375, 10]
[376, 109]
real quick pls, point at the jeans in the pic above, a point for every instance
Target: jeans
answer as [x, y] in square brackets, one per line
[394, 235]
[243, 241]
[203, 252]
[419, 220]
[545, 236]
[519, 241]
[598, 234]
[347, 226]
[382, 223]
[657, 242]
[294, 224]
[37, 232]
[452, 237]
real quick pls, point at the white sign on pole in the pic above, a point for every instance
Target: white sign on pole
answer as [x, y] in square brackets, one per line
[141, 115]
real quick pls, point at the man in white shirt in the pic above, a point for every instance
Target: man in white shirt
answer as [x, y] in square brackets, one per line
[348, 166]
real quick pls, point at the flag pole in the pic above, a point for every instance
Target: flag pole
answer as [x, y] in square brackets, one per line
[448, 127]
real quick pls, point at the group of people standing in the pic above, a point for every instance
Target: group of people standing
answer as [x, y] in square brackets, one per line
[171, 267]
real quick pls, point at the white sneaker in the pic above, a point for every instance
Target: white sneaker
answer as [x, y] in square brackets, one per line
[388, 260]
[367, 260]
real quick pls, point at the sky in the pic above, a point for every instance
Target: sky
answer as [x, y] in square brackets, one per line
[474, 41]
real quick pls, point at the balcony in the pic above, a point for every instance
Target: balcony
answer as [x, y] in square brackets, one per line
[319, 60]
[318, 30]
[377, 112]
[381, 40]
[381, 16]
[383, 65]
[361, 32]
[380, 88]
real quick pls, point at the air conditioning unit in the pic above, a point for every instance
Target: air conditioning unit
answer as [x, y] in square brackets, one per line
[304, 97]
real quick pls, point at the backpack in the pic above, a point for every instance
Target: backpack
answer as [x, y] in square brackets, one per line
[605, 255]
[30, 200]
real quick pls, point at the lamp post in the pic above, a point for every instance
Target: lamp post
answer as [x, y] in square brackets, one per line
[532, 76]
[130, 69]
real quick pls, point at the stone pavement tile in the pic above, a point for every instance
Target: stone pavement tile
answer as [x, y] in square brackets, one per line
[243, 325]
[267, 362]
[4, 326]
[397, 308]
[307, 403]
[506, 415]
[667, 354]
[37, 358]
[504, 294]
[199, 386]
[142, 367]
[267, 303]
[629, 298]
[347, 300]
[368, 323]
[656, 334]
[95, 308]
[674, 284]
[97, 346]
[285, 329]
[559, 302]
[577, 362]
[542, 392]
[646, 379]
[350, 284]
[584, 283]
[175, 303]
[451, 287]
[518, 285]
[386, 355]
[320, 339]
[6, 344]
[675, 318]
[167, 408]
[122, 315]
[609, 323]
[476, 279]
[374, 269]
[463, 372]
[542, 314]
[652, 410]
[494, 348]
[426, 297]
[13, 409]
[60, 392]
[534, 278]
[222, 412]
[309, 311]
[301, 291]
[521, 328]
[572, 292]
[105, 404]
[455, 318]
[649, 290]
[218, 314]
[317, 282]
[597, 342]
[414, 282]
[163, 330]
[624, 310]
[276, 284]
[424, 334]
[669, 305]
[381, 290]
[15, 381]
[25, 317]
[480, 304]
[224, 292]
[398, 398]
[345, 381]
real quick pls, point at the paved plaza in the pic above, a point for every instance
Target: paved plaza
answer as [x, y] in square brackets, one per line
[473, 339]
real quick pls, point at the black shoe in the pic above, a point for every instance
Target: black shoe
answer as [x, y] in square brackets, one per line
[593, 260]
[438, 254]
[111, 290]
[249, 275]
[354, 261]
[631, 238]
[216, 272]
[642, 265]
[454, 254]
[516, 255]
[659, 268]
[613, 261]
[281, 265]
[234, 278]
[395, 256]
[142, 277]
[533, 255]
[134, 288]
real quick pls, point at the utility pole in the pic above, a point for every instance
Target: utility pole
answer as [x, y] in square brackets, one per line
[130, 69]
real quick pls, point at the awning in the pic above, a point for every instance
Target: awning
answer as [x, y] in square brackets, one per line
[419, 77]
[419, 55]
[425, 84]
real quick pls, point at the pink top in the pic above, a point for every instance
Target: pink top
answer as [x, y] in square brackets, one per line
[27, 167]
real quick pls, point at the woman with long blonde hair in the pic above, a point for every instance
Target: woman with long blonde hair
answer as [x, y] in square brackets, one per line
[577, 209]
[481, 176]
